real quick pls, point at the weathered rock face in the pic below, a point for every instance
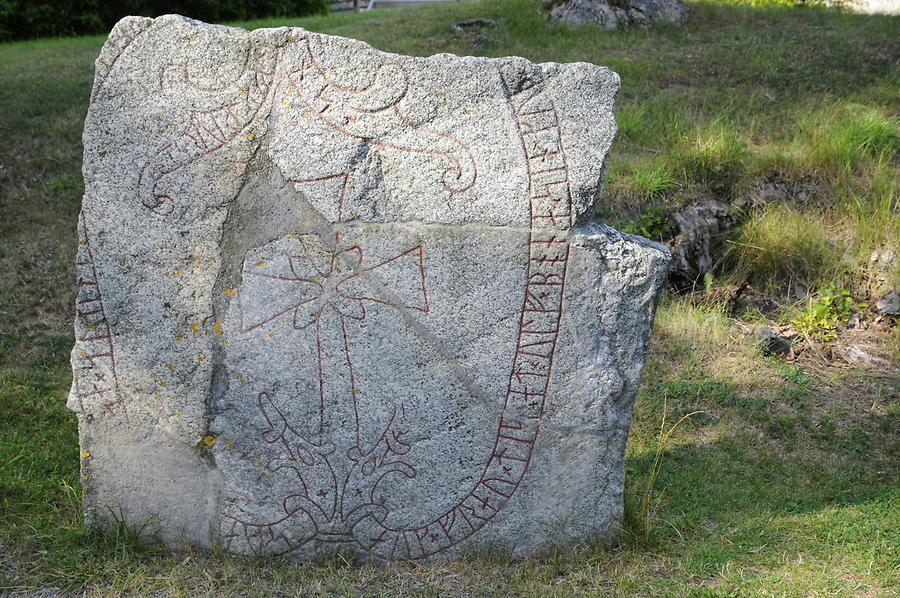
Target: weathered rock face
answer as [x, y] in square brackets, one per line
[699, 225]
[337, 300]
[612, 14]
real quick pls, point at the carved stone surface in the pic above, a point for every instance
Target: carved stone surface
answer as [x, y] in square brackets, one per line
[337, 300]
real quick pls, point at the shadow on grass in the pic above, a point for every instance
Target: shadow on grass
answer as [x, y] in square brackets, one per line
[746, 484]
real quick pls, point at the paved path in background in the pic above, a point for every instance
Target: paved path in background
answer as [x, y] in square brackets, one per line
[885, 7]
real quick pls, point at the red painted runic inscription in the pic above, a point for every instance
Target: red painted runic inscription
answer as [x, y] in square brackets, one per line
[93, 361]
[551, 204]
[372, 114]
[238, 108]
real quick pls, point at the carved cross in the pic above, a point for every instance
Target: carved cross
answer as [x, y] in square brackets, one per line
[321, 288]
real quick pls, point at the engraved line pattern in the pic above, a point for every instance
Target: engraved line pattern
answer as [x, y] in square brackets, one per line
[323, 515]
[325, 281]
[235, 109]
[372, 114]
[348, 512]
[549, 193]
[114, 48]
[94, 360]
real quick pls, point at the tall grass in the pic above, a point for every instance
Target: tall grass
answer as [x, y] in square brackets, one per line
[639, 523]
[843, 137]
[780, 246]
[713, 156]
[854, 151]
[645, 180]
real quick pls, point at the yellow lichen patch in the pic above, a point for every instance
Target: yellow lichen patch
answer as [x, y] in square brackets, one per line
[178, 414]
[229, 292]
[85, 454]
[176, 273]
[204, 443]
[259, 463]
[269, 334]
[260, 264]
[228, 444]
[163, 384]
[82, 353]
[217, 327]
[241, 378]
[170, 366]
[195, 328]
[250, 136]
[201, 357]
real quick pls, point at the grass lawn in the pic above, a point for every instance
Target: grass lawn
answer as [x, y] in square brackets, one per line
[787, 482]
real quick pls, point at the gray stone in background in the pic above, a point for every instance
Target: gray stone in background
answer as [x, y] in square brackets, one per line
[700, 225]
[612, 14]
[337, 300]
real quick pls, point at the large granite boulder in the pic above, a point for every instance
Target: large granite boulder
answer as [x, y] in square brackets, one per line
[338, 300]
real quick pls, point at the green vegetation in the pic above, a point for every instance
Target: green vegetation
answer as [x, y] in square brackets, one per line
[787, 483]
[822, 314]
[651, 223]
[778, 245]
[23, 19]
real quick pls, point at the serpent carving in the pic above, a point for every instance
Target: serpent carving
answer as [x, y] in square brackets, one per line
[218, 117]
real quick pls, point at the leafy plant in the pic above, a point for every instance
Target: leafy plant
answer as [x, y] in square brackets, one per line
[819, 319]
[752, 315]
[652, 223]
